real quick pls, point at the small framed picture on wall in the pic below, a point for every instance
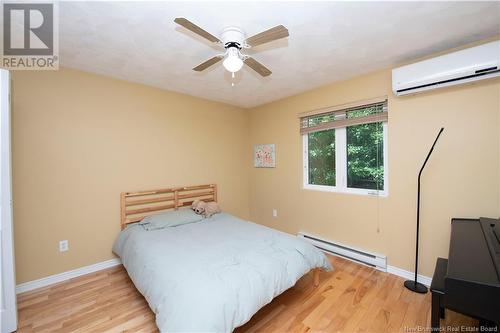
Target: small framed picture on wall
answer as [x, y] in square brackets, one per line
[264, 156]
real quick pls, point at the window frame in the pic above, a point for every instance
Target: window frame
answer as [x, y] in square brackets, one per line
[341, 166]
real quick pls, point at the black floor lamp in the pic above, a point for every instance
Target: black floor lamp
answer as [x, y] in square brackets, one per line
[413, 285]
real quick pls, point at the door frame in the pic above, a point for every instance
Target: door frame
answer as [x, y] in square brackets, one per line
[8, 303]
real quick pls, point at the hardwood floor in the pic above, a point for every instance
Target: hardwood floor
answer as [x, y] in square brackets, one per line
[352, 298]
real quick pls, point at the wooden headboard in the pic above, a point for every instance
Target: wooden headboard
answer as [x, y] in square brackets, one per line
[137, 205]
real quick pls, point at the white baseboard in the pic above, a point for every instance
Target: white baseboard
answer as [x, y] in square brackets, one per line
[46, 281]
[394, 271]
[409, 275]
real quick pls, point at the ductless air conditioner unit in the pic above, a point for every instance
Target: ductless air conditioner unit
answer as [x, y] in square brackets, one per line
[476, 63]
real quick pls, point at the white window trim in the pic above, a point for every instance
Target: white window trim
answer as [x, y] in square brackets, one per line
[340, 171]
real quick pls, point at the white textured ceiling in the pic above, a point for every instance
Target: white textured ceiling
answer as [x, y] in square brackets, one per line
[329, 41]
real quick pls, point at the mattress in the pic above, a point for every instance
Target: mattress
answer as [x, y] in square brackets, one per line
[213, 275]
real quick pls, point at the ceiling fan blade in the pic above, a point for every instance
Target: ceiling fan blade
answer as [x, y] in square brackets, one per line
[268, 36]
[196, 29]
[257, 66]
[208, 63]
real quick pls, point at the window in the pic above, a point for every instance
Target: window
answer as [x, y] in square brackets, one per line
[345, 149]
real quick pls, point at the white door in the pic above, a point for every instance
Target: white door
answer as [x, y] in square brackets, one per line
[8, 291]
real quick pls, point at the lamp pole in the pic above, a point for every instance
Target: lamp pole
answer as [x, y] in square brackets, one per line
[413, 285]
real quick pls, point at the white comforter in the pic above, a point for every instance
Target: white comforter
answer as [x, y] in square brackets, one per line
[212, 276]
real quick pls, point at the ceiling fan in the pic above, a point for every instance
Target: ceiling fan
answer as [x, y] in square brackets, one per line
[233, 40]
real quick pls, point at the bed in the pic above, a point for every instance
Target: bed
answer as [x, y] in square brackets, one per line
[211, 275]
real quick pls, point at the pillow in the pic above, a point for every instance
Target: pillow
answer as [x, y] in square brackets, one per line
[170, 219]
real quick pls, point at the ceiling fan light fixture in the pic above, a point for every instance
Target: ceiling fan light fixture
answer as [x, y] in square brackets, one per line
[233, 62]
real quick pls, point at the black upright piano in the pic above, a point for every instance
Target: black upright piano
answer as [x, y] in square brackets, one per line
[469, 281]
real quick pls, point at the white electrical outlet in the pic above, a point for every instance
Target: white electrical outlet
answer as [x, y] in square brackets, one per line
[63, 246]
[275, 212]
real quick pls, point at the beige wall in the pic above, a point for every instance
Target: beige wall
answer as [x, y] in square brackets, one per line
[80, 139]
[460, 180]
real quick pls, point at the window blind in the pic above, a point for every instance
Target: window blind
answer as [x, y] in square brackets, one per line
[373, 112]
